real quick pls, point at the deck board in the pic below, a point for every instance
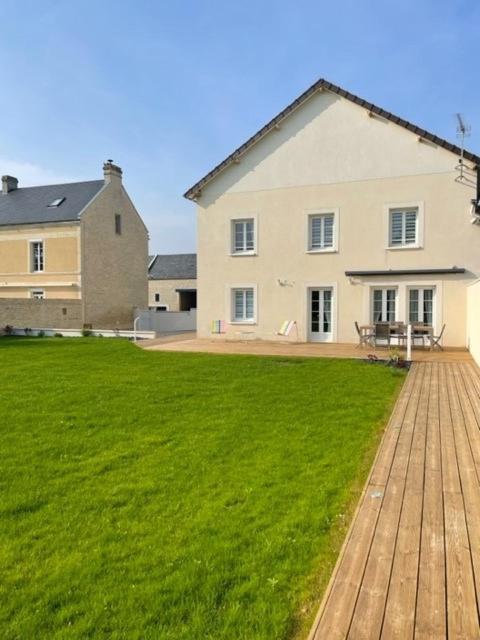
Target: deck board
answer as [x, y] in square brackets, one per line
[410, 565]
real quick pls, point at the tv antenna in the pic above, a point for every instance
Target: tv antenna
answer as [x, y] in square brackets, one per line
[465, 174]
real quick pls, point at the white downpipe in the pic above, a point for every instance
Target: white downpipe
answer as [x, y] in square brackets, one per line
[409, 342]
[135, 322]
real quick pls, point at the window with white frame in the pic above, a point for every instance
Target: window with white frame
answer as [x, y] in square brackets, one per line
[384, 305]
[37, 256]
[37, 294]
[243, 305]
[321, 232]
[403, 227]
[243, 236]
[420, 305]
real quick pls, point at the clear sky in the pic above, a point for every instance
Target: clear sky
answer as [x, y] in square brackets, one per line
[169, 88]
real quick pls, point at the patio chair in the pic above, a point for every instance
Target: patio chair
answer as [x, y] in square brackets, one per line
[364, 338]
[286, 328]
[382, 333]
[436, 339]
[398, 331]
[218, 326]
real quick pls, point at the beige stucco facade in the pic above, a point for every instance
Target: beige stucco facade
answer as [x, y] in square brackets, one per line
[85, 261]
[331, 156]
[61, 275]
[168, 291]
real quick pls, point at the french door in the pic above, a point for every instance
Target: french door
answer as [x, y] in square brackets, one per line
[420, 305]
[320, 313]
[384, 305]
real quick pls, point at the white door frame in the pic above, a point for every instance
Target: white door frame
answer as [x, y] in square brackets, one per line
[308, 289]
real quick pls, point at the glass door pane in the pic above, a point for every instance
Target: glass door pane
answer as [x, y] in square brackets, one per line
[390, 305]
[413, 305]
[327, 311]
[428, 306]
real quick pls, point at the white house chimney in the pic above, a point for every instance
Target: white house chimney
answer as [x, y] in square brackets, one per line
[111, 172]
[9, 183]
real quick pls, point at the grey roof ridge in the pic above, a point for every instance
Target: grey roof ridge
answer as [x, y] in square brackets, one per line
[320, 84]
[58, 184]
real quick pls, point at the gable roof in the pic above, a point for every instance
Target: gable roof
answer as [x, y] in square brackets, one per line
[29, 205]
[179, 266]
[323, 84]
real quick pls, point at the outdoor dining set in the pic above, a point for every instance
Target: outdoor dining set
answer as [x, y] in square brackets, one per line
[396, 333]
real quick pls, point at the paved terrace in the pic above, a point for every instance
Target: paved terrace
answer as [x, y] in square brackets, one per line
[187, 342]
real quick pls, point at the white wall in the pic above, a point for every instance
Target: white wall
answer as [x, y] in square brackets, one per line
[331, 156]
[329, 140]
[473, 320]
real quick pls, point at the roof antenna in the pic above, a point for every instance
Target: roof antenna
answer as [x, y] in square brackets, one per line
[463, 131]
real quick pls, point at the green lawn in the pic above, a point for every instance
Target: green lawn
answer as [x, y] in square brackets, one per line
[175, 496]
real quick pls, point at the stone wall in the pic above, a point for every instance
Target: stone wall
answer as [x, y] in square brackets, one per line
[41, 314]
[114, 265]
[168, 292]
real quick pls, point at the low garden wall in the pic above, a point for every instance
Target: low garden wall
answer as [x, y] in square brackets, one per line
[167, 321]
[26, 312]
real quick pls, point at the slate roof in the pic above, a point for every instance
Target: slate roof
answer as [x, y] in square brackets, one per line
[179, 266]
[29, 205]
[320, 85]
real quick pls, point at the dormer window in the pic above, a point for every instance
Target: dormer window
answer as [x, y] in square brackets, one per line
[57, 202]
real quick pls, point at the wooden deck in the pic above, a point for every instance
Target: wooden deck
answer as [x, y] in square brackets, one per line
[186, 342]
[410, 565]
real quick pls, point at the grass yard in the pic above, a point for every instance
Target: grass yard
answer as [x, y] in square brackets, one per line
[148, 495]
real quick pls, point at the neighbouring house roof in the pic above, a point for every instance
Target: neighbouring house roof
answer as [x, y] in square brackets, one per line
[320, 85]
[29, 205]
[407, 272]
[178, 266]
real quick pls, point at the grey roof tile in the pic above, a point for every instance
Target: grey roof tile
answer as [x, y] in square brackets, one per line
[29, 205]
[179, 266]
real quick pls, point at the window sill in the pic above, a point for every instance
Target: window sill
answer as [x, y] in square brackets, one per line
[238, 254]
[405, 247]
[329, 250]
[248, 323]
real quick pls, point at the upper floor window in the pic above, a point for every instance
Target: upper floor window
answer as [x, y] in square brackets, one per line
[321, 232]
[118, 224]
[403, 227]
[37, 256]
[243, 236]
[157, 297]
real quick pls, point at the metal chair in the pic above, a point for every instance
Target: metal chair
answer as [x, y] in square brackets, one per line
[436, 339]
[382, 332]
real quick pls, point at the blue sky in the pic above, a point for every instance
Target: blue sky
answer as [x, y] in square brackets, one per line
[168, 89]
